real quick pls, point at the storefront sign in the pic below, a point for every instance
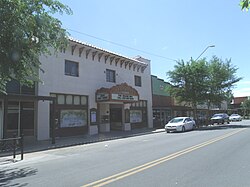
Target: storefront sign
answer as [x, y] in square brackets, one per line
[124, 97]
[102, 97]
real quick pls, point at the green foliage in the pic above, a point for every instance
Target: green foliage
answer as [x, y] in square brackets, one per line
[28, 30]
[246, 107]
[220, 81]
[246, 104]
[188, 81]
[202, 81]
[245, 4]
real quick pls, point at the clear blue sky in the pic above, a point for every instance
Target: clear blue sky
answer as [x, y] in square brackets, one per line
[169, 28]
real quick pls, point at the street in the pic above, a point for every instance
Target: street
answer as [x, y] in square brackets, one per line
[213, 157]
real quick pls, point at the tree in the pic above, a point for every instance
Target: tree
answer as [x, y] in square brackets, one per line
[246, 107]
[245, 4]
[188, 82]
[220, 81]
[199, 82]
[28, 30]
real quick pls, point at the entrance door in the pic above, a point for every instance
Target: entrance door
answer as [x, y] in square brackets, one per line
[116, 118]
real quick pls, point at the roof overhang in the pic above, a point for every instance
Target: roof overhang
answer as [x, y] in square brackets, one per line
[92, 51]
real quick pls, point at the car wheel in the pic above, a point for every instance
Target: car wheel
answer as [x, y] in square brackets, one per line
[183, 129]
[193, 127]
[222, 122]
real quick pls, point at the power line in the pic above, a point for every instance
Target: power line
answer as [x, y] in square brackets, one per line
[121, 45]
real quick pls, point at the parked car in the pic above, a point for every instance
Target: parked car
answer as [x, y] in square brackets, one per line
[180, 124]
[235, 117]
[220, 118]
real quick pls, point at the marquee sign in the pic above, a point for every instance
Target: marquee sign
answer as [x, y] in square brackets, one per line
[121, 92]
[102, 97]
[124, 97]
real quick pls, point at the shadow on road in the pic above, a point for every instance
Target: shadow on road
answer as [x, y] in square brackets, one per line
[8, 175]
[221, 127]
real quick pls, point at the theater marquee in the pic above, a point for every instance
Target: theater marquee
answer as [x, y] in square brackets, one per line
[122, 92]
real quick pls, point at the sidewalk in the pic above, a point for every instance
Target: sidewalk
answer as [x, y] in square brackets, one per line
[34, 146]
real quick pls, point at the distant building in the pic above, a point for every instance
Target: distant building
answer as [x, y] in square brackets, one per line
[166, 107]
[235, 105]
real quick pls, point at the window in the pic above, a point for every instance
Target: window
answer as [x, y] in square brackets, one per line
[60, 100]
[135, 116]
[110, 75]
[69, 99]
[73, 118]
[14, 87]
[63, 99]
[137, 81]
[71, 68]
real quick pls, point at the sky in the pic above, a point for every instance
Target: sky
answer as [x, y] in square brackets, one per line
[165, 30]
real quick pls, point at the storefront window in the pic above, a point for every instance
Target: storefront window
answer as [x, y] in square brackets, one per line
[21, 118]
[135, 116]
[69, 100]
[73, 118]
[76, 100]
[83, 100]
[60, 99]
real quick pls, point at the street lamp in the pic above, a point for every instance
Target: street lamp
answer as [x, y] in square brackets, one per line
[204, 51]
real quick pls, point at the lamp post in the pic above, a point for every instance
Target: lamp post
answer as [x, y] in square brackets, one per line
[204, 51]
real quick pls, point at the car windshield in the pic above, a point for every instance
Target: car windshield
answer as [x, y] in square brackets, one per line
[176, 120]
[217, 115]
[234, 114]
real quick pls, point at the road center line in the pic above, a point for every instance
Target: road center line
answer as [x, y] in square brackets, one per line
[148, 165]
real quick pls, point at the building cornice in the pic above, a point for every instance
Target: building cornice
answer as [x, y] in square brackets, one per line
[93, 52]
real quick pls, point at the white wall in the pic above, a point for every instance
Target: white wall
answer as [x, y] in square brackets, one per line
[43, 120]
[91, 77]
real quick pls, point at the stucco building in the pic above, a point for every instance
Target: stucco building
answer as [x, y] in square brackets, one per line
[83, 90]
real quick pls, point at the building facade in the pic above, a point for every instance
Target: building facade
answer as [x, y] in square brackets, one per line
[236, 105]
[86, 90]
[166, 107]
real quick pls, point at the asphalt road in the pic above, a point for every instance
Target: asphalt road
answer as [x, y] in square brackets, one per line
[217, 157]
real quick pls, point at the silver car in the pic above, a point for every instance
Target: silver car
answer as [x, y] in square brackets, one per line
[235, 117]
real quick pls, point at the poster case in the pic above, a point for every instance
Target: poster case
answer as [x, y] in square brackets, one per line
[73, 118]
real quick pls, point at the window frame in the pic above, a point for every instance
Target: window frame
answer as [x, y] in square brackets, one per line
[138, 81]
[68, 71]
[110, 75]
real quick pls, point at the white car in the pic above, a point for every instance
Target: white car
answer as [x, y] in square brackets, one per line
[180, 124]
[235, 117]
